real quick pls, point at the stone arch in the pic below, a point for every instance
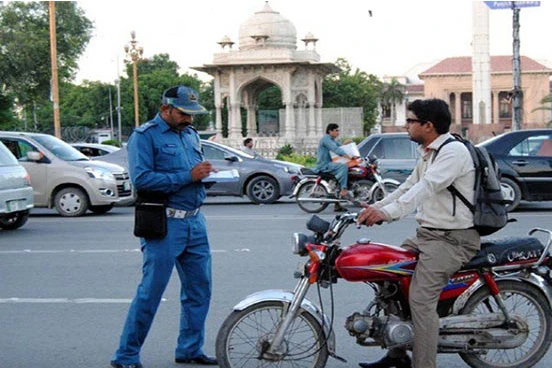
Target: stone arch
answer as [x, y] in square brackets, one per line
[248, 92]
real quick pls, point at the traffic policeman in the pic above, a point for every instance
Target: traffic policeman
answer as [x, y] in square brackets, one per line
[165, 157]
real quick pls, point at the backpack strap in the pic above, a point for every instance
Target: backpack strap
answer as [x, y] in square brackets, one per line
[451, 188]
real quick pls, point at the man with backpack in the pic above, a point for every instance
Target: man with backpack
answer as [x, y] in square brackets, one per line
[446, 237]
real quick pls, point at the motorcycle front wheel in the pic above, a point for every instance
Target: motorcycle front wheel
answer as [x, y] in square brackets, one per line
[525, 301]
[311, 191]
[245, 336]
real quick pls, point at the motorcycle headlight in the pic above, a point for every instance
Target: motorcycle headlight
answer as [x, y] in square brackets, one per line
[298, 244]
[99, 173]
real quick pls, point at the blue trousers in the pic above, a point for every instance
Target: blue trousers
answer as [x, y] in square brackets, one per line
[186, 246]
[340, 171]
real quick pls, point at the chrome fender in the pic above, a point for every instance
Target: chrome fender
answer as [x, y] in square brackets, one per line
[285, 296]
[383, 181]
[307, 179]
[532, 279]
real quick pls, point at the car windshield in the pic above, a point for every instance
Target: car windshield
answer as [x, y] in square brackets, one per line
[232, 150]
[60, 149]
[6, 158]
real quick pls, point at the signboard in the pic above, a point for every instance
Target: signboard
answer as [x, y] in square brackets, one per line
[508, 4]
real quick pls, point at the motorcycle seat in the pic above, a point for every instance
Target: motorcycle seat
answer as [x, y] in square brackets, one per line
[324, 175]
[497, 252]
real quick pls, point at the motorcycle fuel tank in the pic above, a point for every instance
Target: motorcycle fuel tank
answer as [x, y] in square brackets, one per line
[374, 262]
[358, 172]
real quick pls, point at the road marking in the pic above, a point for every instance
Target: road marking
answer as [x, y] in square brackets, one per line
[98, 251]
[67, 301]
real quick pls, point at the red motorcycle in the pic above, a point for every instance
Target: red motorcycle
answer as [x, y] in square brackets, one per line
[316, 191]
[495, 312]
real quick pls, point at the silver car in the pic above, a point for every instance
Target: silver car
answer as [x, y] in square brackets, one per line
[262, 180]
[16, 193]
[64, 178]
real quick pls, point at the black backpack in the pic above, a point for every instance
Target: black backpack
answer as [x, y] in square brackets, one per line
[489, 206]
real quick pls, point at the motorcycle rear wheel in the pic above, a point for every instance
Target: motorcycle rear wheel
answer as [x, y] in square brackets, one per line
[244, 334]
[378, 194]
[309, 191]
[522, 299]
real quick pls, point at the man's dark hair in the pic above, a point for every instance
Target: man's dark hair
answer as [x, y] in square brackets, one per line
[434, 110]
[330, 127]
[247, 140]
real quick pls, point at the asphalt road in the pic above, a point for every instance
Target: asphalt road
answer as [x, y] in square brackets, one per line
[66, 283]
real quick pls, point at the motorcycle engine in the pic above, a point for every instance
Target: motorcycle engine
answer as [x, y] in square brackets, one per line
[390, 330]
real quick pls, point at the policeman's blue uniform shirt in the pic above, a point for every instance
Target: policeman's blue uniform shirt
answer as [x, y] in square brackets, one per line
[161, 159]
[323, 157]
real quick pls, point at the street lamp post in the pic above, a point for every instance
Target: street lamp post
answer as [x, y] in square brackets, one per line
[134, 53]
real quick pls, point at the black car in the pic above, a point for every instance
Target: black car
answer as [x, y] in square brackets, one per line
[525, 161]
[396, 153]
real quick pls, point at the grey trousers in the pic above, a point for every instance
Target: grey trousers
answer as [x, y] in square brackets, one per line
[441, 254]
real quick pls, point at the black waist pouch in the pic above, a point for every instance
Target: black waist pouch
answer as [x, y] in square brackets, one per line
[150, 220]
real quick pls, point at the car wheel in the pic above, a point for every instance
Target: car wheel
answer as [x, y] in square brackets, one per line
[101, 209]
[263, 189]
[511, 192]
[14, 220]
[71, 202]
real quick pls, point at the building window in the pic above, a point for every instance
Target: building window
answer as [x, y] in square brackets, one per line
[467, 108]
[504, 105]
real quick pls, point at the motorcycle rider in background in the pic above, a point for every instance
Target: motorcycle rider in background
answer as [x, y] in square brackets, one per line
[324, 162]
[445, 239]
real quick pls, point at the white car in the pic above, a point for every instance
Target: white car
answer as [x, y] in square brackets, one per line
[16, 193]
[94, 149]
[65, 179]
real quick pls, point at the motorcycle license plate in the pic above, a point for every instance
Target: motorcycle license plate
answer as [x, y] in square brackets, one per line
[14, 206]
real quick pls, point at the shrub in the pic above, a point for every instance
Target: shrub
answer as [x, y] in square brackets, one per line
[305, 160]
[112, 142]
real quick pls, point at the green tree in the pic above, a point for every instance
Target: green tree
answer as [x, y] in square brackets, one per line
[25, 63]
[547, 100]
[392, 93]
[348, 88]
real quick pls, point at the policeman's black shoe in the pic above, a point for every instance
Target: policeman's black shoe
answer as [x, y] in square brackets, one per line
[389, 362]
[200, 359]
[114, 364]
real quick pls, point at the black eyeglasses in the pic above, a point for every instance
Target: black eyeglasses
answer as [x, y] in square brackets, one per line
[412, 121]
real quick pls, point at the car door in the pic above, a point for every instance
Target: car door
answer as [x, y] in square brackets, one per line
[531, 158]
[222, 160]
[38, 171]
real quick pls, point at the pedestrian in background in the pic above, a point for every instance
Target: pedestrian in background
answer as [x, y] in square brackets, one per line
[165, 158]
[248, 147]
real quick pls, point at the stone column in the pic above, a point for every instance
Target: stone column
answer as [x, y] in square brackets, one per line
[235, 131]
[496, 107]
[252, 130]
[458, 112]
[290, 124]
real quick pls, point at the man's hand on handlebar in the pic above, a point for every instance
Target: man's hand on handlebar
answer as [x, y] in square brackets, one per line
[371, 216]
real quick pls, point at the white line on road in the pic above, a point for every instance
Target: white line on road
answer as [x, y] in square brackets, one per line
[98, 251]
[66, 301]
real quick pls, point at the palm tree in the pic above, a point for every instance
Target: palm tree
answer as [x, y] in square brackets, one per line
[392, 94]
[546, 100]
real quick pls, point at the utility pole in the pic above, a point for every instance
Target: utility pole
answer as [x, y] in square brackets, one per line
[516, 71]
[110, 113]
[53, 56]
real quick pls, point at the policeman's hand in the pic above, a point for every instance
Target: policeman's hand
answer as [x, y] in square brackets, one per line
[370, 216]
[201, 170]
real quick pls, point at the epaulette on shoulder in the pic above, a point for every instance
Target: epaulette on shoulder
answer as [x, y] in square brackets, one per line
[142, 128]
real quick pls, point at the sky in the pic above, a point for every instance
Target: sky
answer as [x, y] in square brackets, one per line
[400, 38]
